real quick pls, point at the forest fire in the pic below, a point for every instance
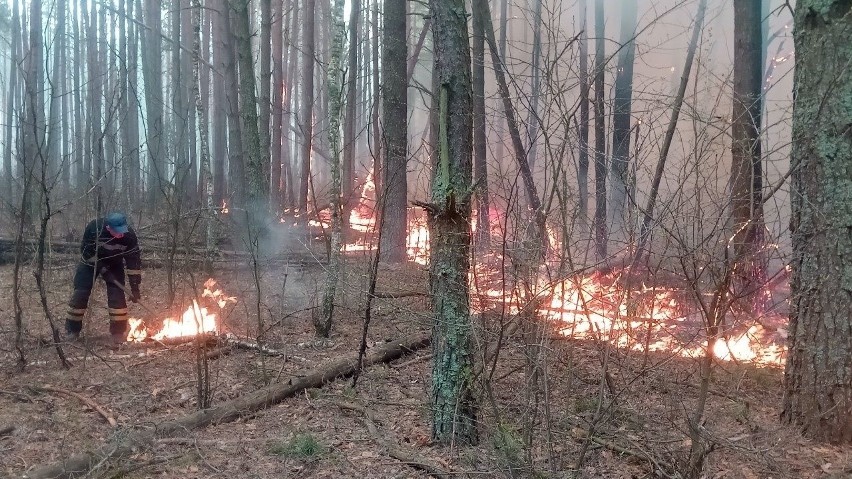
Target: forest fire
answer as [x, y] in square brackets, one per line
[646, 319]
[193, 321]
[601, 307]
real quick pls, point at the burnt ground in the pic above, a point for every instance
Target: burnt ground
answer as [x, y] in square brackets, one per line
[639, 428]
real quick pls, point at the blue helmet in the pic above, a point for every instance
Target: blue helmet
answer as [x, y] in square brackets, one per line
[117, 222]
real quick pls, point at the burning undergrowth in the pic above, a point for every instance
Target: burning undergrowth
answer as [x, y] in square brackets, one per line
[194, 320]
[633, 314]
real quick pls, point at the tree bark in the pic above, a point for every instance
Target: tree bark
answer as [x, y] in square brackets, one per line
[256, 158]
[54, 139]
[621, 111]
[377, 149]
[219, 141]
[535, 88]
[350, 187]
[9, 190]
[264, 87]
[395, 129]
[95, 92]
[276, 108]
[452, 398]
[334, 82]
[583, 127]
[482, 238]
[124, 443]
[152, 73]
[818, 377]
[600, 226]
[746, 226]
[307, 110]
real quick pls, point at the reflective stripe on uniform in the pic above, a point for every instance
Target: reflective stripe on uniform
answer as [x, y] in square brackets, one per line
[117, 311]
[77, 311]
[133, 271]
[75, 318]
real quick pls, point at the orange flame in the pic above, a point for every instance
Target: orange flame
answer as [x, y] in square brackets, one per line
[193, 321]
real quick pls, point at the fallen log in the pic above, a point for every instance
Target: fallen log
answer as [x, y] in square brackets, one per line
[125, 442]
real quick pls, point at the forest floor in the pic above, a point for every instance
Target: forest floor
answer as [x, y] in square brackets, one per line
[632, 428]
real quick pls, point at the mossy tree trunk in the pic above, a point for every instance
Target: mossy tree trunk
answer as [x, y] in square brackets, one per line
[453, 404]
[818, 377]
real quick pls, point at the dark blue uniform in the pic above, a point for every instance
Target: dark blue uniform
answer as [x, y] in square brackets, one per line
[104, 255]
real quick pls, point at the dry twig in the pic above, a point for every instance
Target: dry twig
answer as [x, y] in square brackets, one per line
[87, 401]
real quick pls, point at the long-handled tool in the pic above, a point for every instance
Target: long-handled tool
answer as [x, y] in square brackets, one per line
[111, 279]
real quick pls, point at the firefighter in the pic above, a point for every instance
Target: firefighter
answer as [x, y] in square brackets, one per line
[108, 245]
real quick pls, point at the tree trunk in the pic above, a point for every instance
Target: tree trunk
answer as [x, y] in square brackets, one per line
[378, 161]
[621, 111]
[9, 190]
[334, 82]
[307, 124]
[818, 377]
[535, 89]
[600, 134]
[350, 188]
[96, 139]
[219, 143]
[33, 124]
[395, 121]
[452, 398]
[205, 172]
[236, 166]
[290, 106]
[83, 173]
[276, 109]
[54, 141]
[130, 123]
[583, 128]
[648, 213]
[152, 73]
[746, 163]
[537, 234]
[264, 87]
[482, 239]
[256, 159]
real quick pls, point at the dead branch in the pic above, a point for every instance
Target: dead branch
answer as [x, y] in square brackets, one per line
[394, 451]
[411, 361]
[85, 400]
[237, 342]
[401, 294]
[126, 442]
